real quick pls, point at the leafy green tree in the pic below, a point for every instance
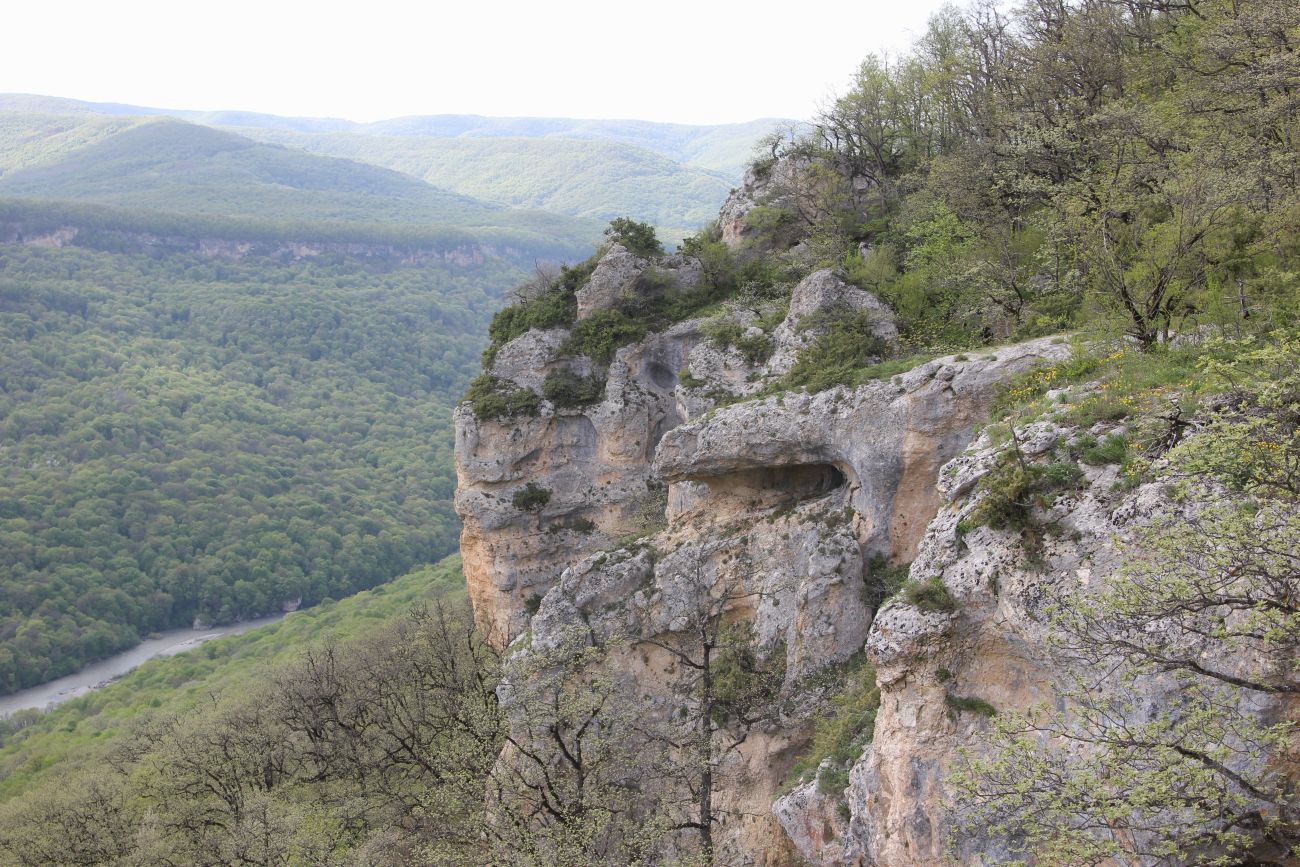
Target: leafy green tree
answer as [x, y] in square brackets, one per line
[638, 238]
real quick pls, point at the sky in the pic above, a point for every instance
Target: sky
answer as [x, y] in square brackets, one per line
[702, 61]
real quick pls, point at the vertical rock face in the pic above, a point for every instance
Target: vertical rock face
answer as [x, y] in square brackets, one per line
[682, 497]
[784, 500]
[992, 647]
[595, 463]
[775, 186]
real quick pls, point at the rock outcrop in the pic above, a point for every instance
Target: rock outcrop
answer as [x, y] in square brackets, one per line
[784, 501]
[775, 186]
[699, 497]
[935, 669]
[818, 297]
[621, 276]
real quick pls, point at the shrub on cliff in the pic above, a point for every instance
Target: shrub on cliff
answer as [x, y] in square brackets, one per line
[638, 238]
[1204, 601]
[531, 498]
[494, 398]
[556, 306]
[568, 390]
[837, 356]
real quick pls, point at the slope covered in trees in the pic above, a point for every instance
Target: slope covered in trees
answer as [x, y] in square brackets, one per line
[671, 175]
[194, 438]
[1131, 160]
[1126, 169]
[722, 148]
[174, 166]
[589, 178]
[39, 751]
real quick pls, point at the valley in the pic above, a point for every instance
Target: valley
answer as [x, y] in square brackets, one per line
[917, 485]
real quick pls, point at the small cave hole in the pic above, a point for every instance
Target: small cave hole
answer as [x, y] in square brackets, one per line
[775, 486]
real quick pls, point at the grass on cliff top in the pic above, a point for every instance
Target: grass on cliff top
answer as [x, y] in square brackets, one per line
[80, 732]
[1126, 379]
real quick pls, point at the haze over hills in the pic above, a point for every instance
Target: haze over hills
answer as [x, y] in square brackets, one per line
[936, 503]
[722, 148]
[170, 165]
[593, 178]
[219, 331]
[671, 175]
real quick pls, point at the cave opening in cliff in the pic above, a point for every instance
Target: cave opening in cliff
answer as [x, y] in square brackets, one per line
[781, 485]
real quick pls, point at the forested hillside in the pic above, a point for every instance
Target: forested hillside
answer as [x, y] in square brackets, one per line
[588, 178]
[174, 166]
[984, 391]
[40, 751]
[183, 437]
[722, 148]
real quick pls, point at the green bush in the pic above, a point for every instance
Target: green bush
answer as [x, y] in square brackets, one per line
[638, 238]
[531, 498]
[494, 398]
[968, 704]
[689, 380]
[841, 735]
[601, 334]
[556, 307]
[1112, 450]
[1103, 407]
[837, 356]
[756, 348]
[568, 390]
[883, 580]
[1012, 490]
[930, 595]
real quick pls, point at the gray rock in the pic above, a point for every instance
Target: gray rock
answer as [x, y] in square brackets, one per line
[620, 276]
[824, 292]
[614, 280]
[888, 439]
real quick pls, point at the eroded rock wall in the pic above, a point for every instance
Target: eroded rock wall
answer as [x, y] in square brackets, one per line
[784, 501]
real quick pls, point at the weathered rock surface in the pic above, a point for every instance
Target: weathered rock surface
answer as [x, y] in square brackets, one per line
[992, 647]
[772, 514]
[775, 186]
[889, 438]
[816, 825]
[818, 296]
[621, 275]
[783, 501]
[595, 462]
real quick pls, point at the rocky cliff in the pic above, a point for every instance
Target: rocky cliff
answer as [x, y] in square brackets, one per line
[696, 504]
[788, 502]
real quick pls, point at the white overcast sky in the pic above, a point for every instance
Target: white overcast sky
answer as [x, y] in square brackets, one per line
[692, 61]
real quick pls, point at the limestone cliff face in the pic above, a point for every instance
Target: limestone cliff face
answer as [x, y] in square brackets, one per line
[785, 501]
[994, 646]
[595, 463]
[991, 647]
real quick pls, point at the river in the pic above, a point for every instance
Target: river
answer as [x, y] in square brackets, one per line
[101, 673]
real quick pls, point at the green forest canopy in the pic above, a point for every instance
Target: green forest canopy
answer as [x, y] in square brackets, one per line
[185, 437]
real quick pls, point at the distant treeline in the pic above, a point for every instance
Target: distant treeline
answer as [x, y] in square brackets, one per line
[120, 230]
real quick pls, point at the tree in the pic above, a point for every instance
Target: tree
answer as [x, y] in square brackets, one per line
[727, 687]
[578, 783]
[638, 238]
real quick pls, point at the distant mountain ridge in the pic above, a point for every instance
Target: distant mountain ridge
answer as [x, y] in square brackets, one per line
[671, 175]
[722, 148]
[166, 173]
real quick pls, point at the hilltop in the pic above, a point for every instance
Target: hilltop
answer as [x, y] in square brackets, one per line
[671, 175]
[723, 148]
[184, 168]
